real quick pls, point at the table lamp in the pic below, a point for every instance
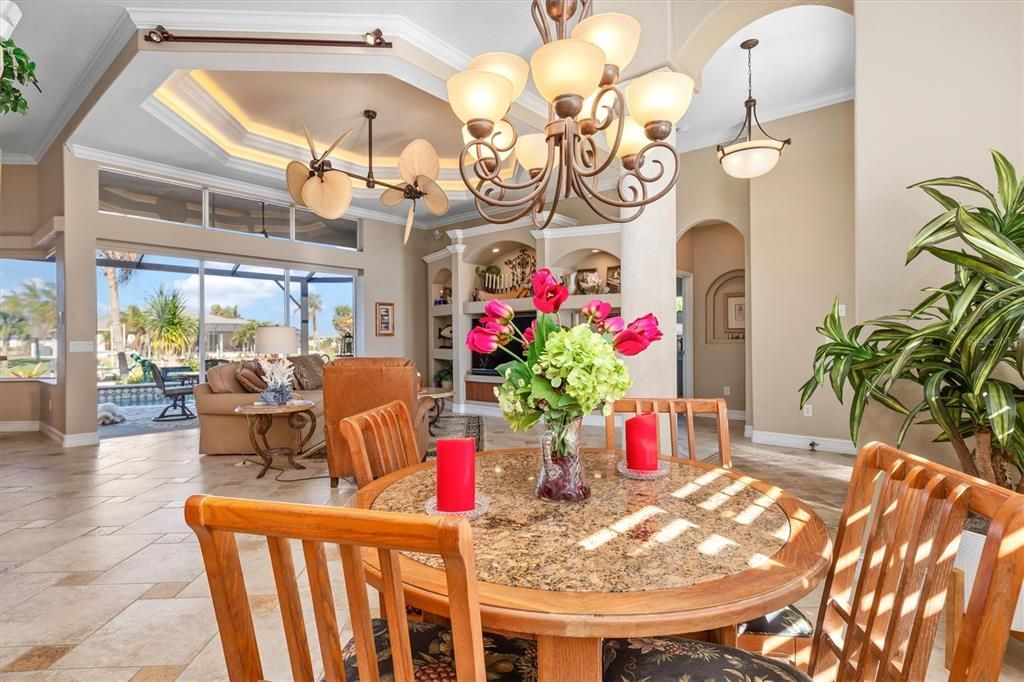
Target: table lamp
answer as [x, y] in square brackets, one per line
[276, 341]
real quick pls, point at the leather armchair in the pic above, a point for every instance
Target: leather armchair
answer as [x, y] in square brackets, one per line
[354, 385]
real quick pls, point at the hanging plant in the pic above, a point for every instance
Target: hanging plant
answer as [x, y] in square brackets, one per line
[18, 70]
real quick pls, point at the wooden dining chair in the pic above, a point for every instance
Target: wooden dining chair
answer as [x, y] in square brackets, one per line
[675, 407]
[897, 538]
[379, 648]
[379, 441]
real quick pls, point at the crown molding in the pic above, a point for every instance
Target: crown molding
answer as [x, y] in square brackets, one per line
[118, 35]
[688, 142]
[214, 182]
[455, 248]
[557, 220]
[578, 231]
[18, 160]
[435, 256]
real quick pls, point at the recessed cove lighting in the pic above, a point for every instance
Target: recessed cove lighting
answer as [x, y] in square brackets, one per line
[495, 250]
[595, 251]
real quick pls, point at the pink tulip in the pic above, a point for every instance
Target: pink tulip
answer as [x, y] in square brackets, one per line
[482, 340]
[503, 332]
[646, 326]
[531, 332]
[499, 310]
[613, 325]
[628, 342]
[596, 310]
[548, 294]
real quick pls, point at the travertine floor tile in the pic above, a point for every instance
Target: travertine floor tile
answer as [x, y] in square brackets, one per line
[160, 521]
[64, 615]
[158, 673]
[88, 553]
[17, 587]
[157, 563]
[150, 632]
[24, 544]
[110, 514]
[81, 675]
[37, 658]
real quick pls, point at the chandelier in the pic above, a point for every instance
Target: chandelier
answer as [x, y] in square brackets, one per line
[745, 157]
[576, 72]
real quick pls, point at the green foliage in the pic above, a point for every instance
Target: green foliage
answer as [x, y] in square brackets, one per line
[40, 369]
[172, 328]
[18, 69]
[963, 344]
[229, 311]
[244, 337]
[343, 320]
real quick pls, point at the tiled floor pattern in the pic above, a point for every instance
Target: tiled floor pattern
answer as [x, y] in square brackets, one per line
[100, 579]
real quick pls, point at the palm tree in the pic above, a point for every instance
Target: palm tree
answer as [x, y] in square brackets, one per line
[134, 320]
[12, 326]
[315, 305]
[38, 303]
[224, 310]
[244, 337]
[342, 319]
[170, 326]
[116, 277]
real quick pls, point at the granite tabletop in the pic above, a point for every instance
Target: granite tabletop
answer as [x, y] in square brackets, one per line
[691, 526]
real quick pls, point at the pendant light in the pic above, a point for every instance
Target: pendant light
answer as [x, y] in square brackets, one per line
[744, 157]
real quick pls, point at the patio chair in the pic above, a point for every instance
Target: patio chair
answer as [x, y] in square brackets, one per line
[178, 409]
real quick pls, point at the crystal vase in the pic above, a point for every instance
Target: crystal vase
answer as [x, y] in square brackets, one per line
[561, 472]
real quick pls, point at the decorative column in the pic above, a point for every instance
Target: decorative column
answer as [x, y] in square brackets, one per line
[649, 285]
[462, 287]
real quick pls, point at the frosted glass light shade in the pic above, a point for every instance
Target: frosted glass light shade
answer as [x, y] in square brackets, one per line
[751, 158]
[618, 36]
[276, 340]
[532, 151]
[511, 66]
[499, 138]
[633, 137]
[663, 96]
[567, 67]
[476, 94]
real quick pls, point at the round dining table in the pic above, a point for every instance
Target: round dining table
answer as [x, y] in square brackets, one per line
[696, 552]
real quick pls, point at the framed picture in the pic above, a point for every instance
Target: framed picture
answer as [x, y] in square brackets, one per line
[614, 277]
[385, 314]
[735, 313]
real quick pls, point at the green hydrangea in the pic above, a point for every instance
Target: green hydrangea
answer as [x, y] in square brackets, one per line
[582, 364]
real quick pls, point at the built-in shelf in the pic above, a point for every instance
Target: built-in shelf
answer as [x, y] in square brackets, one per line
[485, 378]
[441, 353]
[521, 305]
[441, 310]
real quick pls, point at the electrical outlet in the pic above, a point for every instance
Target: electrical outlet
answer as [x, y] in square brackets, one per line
[49, 405]
[842, 310]
[726, 390]
[808, 410]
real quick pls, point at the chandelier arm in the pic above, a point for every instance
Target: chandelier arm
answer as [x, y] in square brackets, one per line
[598, 169]
[765, 132]
[483, 175]
[643, 180]
[540, 20]
[618, 104]
[540, 209]
[538, 183]
[500, 220]
[567, 171]
[588, 194]
[745, 128]
[497, 133]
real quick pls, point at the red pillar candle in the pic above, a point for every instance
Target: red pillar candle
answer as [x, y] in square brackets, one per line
[642, 442]
[456, 474]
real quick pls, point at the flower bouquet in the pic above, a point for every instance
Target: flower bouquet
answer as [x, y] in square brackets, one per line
[278, 376]
[567, 373]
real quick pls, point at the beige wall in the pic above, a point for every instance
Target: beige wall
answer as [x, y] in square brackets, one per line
[705, 193]
[926, 108]
[19, 196]
[20, 401]
[801, 246]
[710, 251]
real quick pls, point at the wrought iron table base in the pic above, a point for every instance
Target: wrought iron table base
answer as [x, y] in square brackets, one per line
[260, 424]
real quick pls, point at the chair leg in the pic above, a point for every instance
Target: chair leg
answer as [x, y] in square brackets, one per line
[334, 481]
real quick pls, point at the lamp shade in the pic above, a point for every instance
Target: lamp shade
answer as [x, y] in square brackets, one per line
[567, 67]
[633, 137]
[276, 340]
[618, 36]
[532, 151]
[511, 66]
[750, 158]
[501, 136]
[476, 94]
[662, 96]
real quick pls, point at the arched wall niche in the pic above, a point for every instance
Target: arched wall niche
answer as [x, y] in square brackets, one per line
[598, 260]
[718, 308]
[724, 21]
[486, 255]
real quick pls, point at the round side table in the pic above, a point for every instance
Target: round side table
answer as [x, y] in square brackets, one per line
[261, 418]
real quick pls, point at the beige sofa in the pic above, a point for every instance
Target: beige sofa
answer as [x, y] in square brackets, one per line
[222, 432]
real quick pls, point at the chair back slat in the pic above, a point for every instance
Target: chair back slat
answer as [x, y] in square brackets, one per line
[354, 531]
[291, 609]
[673, 407]
[894, 550]
[380, 441]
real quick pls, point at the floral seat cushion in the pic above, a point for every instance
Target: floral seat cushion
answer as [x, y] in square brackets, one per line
[786, 622]
[673, 659]
[433, 656]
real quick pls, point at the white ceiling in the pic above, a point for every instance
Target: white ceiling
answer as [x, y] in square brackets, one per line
[805, 60]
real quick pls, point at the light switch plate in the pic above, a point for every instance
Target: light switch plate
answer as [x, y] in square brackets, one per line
[81, 346]
[808, 410]
[726, 390]
[842, 310]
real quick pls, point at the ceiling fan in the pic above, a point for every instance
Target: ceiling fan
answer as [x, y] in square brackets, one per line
[327, 191]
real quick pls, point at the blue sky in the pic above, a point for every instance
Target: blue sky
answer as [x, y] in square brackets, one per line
[256, 299]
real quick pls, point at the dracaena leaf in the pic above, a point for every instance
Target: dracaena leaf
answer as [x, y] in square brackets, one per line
[1002, 409]
[959, 182]
[1007, 177]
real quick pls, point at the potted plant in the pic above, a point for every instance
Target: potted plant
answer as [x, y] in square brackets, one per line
[567, 373]
[18, 69]
[443, 376]
[962, 344]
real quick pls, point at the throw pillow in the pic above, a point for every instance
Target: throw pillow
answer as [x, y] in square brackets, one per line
[222, 379]
[250, 376]
[308, 371]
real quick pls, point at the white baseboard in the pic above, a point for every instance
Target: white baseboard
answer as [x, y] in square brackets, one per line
[748, 430]
[70, 440]
[801, 442]
[18, 426]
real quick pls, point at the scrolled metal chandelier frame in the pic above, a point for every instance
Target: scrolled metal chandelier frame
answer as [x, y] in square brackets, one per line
[572, 163]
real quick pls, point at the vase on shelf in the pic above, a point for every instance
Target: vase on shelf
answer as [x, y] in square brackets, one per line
[561, 476]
